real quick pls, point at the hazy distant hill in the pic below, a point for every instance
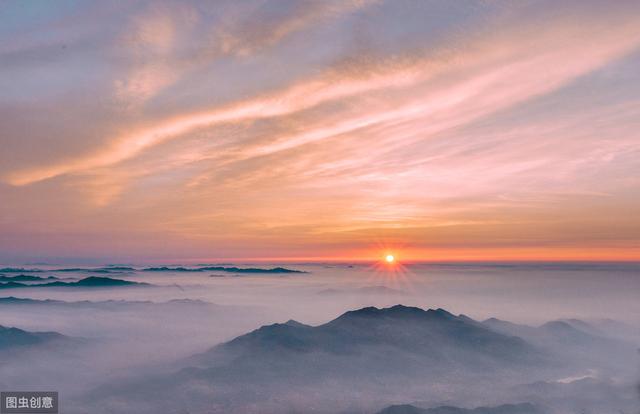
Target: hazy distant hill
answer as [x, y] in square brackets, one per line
[524, 408]
[230, 269]
[92, 281]
[12, 338]
[26, 278]
[124, 269]
[110, 269]
[574, 339]
[111, 305]
[558, 331]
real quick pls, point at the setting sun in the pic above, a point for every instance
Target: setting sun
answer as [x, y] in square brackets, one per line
[370, 171]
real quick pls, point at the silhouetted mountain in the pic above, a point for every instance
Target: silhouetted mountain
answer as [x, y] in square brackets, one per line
[92, 281]
[106, 304]
[297, 324]
[402, 409]
[19, 270]
[524, 408]
[412, 341]
[12, 300]
[25, 278]
[222, 269]
[14, 285]
[121, 269]
[101, 270]
[11, 338]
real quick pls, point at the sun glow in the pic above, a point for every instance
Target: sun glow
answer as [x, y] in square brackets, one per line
[390, 258]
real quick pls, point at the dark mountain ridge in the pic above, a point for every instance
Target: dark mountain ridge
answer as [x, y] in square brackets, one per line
[12, 338]
[523, 408]
[231, 269]
[104, 304]
[92, 281]
[25, 278]
[123, 269]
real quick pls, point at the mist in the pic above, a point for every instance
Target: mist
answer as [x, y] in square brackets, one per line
[176, 331]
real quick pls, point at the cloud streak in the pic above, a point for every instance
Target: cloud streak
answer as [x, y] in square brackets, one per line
[457, 130]
[485, 91]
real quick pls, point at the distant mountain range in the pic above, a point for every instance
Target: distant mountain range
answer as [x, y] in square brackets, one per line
[68, 270]
[116, 305]
[524, 408]
[25, 278]
[122, 269]
[232, 269]
[92, 282]
[573, 339]
[13, 338]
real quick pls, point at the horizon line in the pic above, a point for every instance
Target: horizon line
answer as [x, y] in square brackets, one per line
[304, 261]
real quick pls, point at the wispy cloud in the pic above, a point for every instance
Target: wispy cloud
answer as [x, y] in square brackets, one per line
[496, 74]
[448, 134]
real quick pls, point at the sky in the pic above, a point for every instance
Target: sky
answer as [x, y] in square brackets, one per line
[319, 130]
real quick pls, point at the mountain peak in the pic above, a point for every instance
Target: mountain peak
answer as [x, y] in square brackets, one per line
[296, 324]
[396, 312]
[403, 308]
[442, 312]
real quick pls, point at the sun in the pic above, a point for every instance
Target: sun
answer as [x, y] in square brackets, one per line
[390, 258]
